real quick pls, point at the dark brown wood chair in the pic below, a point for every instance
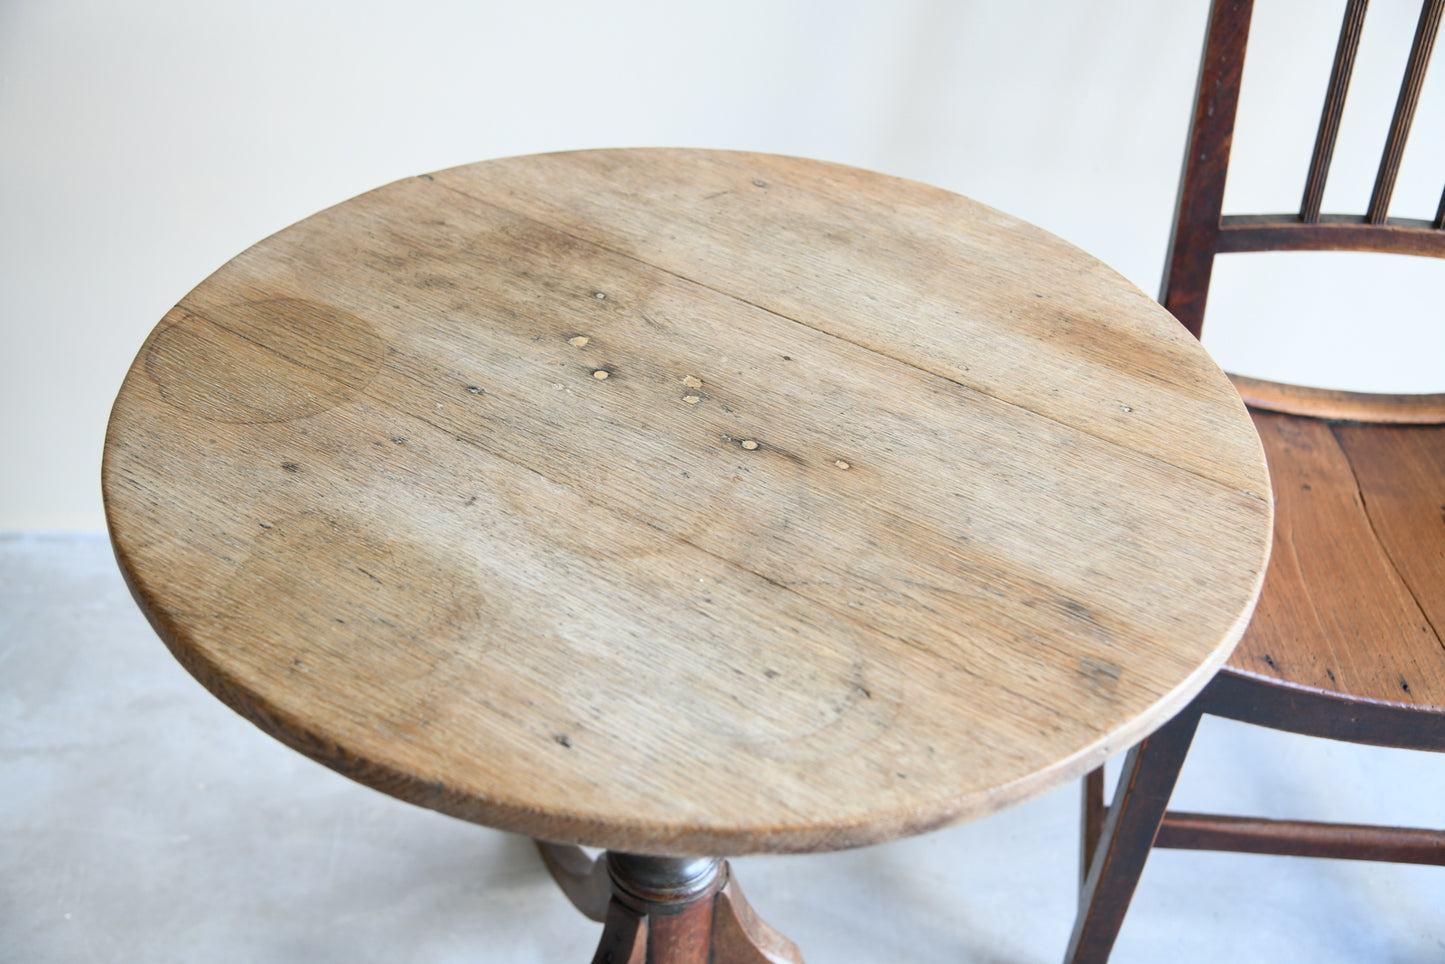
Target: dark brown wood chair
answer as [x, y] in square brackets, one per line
[1347, 640]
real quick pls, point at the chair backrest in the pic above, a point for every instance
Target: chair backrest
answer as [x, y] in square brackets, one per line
[1201, 231]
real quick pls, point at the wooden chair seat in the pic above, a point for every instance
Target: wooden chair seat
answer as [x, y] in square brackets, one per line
[1356, 583]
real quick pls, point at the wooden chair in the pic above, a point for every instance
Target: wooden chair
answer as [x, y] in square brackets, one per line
[1346, 641]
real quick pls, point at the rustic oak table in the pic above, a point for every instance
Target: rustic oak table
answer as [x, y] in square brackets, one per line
[686, 504]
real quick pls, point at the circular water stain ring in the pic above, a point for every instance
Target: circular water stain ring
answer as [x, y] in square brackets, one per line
[262, 361]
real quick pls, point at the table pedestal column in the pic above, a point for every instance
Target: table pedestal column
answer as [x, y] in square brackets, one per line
[666, 910]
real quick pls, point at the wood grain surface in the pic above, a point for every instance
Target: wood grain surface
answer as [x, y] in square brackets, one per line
[687, 502]
[1373, 495]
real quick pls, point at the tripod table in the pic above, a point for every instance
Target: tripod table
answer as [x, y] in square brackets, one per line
[686, 504]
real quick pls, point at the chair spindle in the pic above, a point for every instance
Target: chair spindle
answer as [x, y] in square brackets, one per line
[1420, 51]
[1345, 50]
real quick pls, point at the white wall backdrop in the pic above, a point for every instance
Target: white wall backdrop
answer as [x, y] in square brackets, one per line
[143, 144]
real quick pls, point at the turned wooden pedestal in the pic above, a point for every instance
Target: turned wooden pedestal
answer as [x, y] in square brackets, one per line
[680, 910]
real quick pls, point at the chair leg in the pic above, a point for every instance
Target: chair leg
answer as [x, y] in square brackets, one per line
[1092, 813]
[1150, 772]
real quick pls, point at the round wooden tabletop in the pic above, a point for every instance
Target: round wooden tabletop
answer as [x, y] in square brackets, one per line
[687, 502]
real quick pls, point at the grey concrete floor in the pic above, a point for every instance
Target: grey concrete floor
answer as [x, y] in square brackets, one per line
[140, 820]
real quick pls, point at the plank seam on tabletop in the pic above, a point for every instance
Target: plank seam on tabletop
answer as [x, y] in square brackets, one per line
[624, 513]
[823, 331]
[632, 517]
